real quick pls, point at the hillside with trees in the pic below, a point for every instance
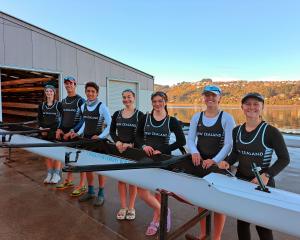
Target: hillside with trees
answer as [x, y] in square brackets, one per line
[275, 93]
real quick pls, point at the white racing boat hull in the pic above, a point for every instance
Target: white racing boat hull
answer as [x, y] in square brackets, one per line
[278, 210]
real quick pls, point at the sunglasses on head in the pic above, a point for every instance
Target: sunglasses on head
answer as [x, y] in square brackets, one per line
[128, 90]
[69, 78]
[212, 88]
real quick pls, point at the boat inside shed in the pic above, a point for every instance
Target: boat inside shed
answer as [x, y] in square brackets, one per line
[22, 91]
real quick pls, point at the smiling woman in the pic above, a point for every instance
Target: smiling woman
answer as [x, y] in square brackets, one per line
[254, 142]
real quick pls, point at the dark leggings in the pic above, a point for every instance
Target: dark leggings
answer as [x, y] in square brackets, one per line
[243, 228]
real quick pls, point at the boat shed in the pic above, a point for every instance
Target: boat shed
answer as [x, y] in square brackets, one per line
[31, 57]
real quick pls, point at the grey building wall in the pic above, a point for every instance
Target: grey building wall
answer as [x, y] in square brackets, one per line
[23, 45]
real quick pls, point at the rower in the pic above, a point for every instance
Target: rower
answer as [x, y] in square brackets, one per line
[49, 113]
[213, 130]
[70, 122]
[153, 135]
[122, 131]
[254, 142]
[95, 116]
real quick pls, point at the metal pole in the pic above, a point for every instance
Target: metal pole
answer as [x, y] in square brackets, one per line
[163, 215]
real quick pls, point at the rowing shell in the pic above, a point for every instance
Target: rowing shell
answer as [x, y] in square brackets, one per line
[278, 210]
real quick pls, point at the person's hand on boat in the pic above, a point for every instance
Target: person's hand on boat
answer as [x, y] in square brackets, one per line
[264, 178]
[208, 163]
[148, 150]
[156, 152]
[196, 158]
[58, 134]
[119, 146]
[95, 137]
[67, 136]
[223, 165]
[127, 145]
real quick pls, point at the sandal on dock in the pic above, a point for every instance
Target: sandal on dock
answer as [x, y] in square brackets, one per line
[121, 215]
[152, 229]
[130, 215]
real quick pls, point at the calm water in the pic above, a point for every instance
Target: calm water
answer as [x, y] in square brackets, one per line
[286, 118]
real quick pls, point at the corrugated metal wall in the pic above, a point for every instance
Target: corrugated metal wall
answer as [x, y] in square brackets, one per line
[26, 46]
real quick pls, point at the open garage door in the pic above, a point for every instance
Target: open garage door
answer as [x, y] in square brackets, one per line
[21, 93]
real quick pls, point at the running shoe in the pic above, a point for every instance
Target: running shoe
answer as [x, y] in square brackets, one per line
[85, 197]
[48, 178]
[99, 201]
[78, 191]
[55, 178]
[65, 185]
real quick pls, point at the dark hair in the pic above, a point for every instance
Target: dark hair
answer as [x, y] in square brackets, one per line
[129, 90]
[163, 95]
[93, 85]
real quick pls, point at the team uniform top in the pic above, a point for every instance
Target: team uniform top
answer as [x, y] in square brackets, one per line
[96, 120]
[157, 133]
[214, 135]
[49, 116]
[71, 116]
[258, 146]
[124, 129]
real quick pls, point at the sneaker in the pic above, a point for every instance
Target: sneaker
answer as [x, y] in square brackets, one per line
[85, 197]
[78, 191]
[99, 201]
[48, 178]
[65, 185]
[55, 178]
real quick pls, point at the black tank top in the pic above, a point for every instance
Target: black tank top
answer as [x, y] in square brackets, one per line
[51, 115]
[254, 150]
[93, 121]
[71, 113]
[157, 136]
[210, 139]
[126, 127]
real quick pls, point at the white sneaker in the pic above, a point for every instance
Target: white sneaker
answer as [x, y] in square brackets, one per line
[48, 178]
[55, 178]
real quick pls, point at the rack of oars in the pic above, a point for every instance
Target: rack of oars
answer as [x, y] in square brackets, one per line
[21, 97]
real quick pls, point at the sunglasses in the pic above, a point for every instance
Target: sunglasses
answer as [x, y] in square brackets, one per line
[129, 90]
[212, 88]
[159, 93]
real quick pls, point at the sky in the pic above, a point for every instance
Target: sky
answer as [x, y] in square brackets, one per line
[179, 41]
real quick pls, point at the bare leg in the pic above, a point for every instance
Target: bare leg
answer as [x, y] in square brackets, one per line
[151, 201]
[122, 194]
[132, 196]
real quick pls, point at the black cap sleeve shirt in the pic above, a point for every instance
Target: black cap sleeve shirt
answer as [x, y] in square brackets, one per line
[93, 121]
[210, 139]
[250, 147]
[126, 127]
[157, 136]
[71, 112]
[51, 115]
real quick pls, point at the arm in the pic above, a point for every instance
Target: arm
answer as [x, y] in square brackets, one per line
[193, 134]
[113, 127]
[274, 139]
[232, 158]
[81, 129]
[140, 117]
[180, 138]
[228, 125]
[140, 132]
[81, 121]
[107, 119]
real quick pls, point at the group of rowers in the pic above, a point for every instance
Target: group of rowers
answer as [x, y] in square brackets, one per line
[213, 139]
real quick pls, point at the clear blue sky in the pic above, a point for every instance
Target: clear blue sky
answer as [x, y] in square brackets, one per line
[180, 40]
